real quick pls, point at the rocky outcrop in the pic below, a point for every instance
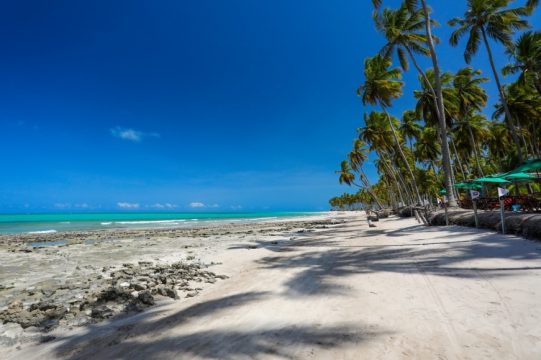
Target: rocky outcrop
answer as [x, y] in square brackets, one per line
[132, 287]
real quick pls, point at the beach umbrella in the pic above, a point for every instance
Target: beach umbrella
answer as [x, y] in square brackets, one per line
[491, 180]
[530, 165]
[521, 176]
[468, 186]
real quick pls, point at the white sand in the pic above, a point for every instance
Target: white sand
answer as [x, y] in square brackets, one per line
[397, 291]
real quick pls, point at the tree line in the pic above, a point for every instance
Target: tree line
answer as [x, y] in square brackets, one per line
[445, 137]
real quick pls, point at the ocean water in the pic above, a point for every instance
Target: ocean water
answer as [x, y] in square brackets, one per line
[54, 222]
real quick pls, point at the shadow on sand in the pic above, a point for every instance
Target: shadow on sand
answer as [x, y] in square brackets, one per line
[442, 256]
[319, 259]
[136, 337]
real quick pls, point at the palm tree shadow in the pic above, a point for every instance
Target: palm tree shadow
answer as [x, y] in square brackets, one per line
[318, 270]
[136, 339]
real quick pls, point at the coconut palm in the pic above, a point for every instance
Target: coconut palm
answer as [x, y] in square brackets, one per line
[491, 19]
[346, 174]
[357, 157]
[403, 31]
[470, 95]
[525, 106]
[499, 146]
[426, 149]
[526, 53]
[377, 133]
[431, 40]
[426, 105]
[410, 127]
[471, 130]
[381, 86]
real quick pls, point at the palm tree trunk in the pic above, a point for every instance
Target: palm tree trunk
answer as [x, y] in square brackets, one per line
[457, 158]
[445, 153]
[475, 154]
[393, 176]
[413, 180]
[368, 187]
[408, 192]
[508, 117]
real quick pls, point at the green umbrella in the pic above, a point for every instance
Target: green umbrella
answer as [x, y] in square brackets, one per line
[468, 185]
[443, 191]
[530, 165]
[521, 176]
[491, 180]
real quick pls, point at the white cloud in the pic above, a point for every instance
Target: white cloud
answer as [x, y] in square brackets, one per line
[131, 134]
[164, 206]
[236, 207]
[127, 205]
[82, 206]
[197, 205]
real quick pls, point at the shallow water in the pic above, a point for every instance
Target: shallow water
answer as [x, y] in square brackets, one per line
[54, 222]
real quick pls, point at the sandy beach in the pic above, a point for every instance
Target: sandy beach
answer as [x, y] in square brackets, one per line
[325, 288]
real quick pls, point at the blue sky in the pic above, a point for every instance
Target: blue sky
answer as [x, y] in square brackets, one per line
[207, 105]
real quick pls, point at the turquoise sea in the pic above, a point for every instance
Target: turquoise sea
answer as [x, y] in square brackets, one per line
[54, 222]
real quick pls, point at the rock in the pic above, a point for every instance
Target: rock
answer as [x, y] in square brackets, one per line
[170, 292]
[101, 312]
[146, 297]
[124, 284]
[134, 294]
[139, 286]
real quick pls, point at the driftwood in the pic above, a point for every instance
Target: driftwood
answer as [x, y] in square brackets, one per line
[522, 224]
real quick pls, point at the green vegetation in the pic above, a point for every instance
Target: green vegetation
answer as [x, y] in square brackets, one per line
[445, 137]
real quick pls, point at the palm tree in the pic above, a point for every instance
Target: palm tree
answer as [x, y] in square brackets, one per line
[471, 97]
[525, 106]
[526, 52]
[407, 37]
[445, 152]
[426, 104]
[472, 127]
[357, 157]
[410, 127]
[377, 134]
[346, 174]
[381, 86]
[426, 149]
[499, 144]
[403, 31]
[484, 19]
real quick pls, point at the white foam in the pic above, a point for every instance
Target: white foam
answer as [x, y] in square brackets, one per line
[106, 223]
[148, 222]
[43, 232]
